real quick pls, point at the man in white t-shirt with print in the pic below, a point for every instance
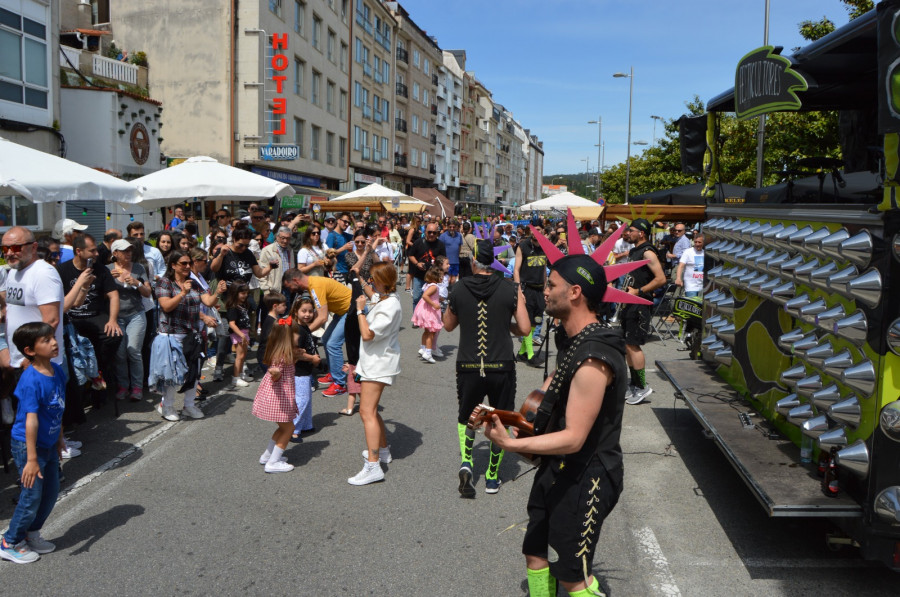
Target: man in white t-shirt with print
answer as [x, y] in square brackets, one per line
[690, 268]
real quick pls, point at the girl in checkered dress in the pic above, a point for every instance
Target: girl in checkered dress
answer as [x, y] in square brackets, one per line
[275, 397]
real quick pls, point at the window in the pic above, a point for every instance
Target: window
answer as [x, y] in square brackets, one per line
[357, 138]
[299, 69]
[329, 148]
[314, 143]
[298, 134]
[385, 108]
[415, 91]
[384, 146]
[329, 97]
[316, 83]
[425, 97]
[317, 32]
[357, 94]
[426, 67]
[275, 7]
[416, 58]
[376, 155]
[386, 71]
[343, 105]
[413, 156]
[299, 16]
[376, 102]
[378, 69]
[344, 53]
[332, 40]
[359, 51]
[415, 123]
[424, 160]
[342, 151]
[19, 211]
[424, 128]
[24, 64]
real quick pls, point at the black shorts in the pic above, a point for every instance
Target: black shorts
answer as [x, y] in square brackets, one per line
[534, 304]
[636, 324]
[471, 389]
[566, 510]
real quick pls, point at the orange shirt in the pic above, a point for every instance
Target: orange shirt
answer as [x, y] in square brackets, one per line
[326, 291]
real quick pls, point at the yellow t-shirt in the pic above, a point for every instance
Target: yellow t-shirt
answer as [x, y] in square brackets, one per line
[326, 291]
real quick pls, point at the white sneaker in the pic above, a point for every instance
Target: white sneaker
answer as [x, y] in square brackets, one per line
[639, 395]
[192, 411]
[72, 443]
[428, 358]
[237, 382]
[38, 544]
[167, 413]
[384, 455]
[267, 455]
[421, 352]
[210, 363]
[437, 352]
[279, 467]
[368, 474]
[70, 452]
[6, 411]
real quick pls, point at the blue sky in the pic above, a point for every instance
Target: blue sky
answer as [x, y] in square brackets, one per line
[551, 61]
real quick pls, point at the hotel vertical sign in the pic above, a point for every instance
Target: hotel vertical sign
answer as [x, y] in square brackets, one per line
[279, 64]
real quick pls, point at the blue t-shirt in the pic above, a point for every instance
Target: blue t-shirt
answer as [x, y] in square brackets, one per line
[335, 241]
[46, 396]
[452, 243]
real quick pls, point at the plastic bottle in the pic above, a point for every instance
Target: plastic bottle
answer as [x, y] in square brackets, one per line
[806, 449]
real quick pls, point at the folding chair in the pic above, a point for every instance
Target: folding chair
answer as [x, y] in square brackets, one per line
[663, 323]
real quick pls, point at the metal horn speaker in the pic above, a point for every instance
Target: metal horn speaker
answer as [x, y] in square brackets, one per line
[837, 282]
[804, 412]
[796, 239]
[726, 305]
[854, 327]
[817, 354]
[825, 397]
[887, 505]
[836, 437]
[789, 377]
[805, 343]
[808, 386]
[727, 333]
[801, 272]
[831, 244]
[835, 365]
[819, 276]
[810, 311]
[861, 377]
[774, 264]
[747, 232]
[782, 239]
[847, 411]
[768, 237]
[815, 426]
[786, 340]
[767, 287]
[893, 337]
[812, 243]
[866, 288]
[788, 403]
[782, 294]
[854, 458]
[826, 319]
[787, 267]
[756, 235]
[723, 357]
[857, 249]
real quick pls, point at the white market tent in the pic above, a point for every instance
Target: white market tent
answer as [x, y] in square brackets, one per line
[387, 198]
[202, 176]
[582, 209]
[43, 178]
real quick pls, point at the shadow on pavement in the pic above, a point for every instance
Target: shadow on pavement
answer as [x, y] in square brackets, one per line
[96, 527]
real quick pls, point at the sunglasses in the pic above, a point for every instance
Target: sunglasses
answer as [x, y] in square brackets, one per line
[242, 245]
[221, 216]
[221, 239]
[257, 217]
[347, 222]
[5, 249]
[431, 232]
[183, 263]
[314, 233]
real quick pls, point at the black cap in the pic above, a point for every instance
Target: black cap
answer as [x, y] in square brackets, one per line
[642, 225]
[581, 270]
[484, 252]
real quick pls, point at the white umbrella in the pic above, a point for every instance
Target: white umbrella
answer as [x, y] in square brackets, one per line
[42, 178]
[391, 200]
[583, 209]
[202, 176]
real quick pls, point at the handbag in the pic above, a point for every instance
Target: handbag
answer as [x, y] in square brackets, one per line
[83, 357]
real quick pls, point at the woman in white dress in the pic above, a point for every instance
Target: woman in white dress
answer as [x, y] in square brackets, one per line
[311, 256]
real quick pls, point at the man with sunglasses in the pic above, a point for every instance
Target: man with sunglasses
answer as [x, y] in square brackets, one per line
[682, 243]
[260, 225]
[341, 240]
[421, 257]
[330, 222]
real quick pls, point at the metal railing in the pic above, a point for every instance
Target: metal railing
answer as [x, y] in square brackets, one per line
[400, 160]
[403, 54]
[402, 90]
[400, 125]
[115, 69]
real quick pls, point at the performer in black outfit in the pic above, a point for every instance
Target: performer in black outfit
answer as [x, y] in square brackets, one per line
[636, 318]
[485, 362]
[577, 427]
[531, 273]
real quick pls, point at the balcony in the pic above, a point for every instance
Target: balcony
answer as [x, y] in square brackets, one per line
[400, 160]
[440, 149]
[457, 102]
[434, 79]
[434, 139]
[402, 90]
[367, 111]
[400, 125]
[434, 109]
[366, 153]
[403, 54]
[115, 70]
[432, 169]
[441, 92]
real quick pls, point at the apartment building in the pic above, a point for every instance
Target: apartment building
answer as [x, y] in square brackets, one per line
[481, 178]
[272, 98]
[502, 138]
[518, 163]
[535, 168]
[418, 59]
[451, 154]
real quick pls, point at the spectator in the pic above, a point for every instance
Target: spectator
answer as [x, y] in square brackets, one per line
[260, 223]
[452, 244]
[134, 285]
[689, 274]
[682, 243]
[466, 250]
[48, 250]
[421, 257]
[341, 240]
[65, 232]
[153, 255]
[594, 241]
[104, 249]
[280, 255]
[166, 244]
[178, 219]
[329, 223]
[311, 258]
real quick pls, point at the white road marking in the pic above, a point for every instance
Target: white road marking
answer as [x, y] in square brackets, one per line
[662, 579]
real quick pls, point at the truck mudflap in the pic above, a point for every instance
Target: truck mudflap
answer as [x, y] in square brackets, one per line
[767, 461]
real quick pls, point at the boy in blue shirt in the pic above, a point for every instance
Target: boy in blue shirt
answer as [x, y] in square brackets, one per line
[36, 442]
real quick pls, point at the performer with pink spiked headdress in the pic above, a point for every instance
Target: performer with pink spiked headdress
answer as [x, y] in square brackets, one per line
[578, 423]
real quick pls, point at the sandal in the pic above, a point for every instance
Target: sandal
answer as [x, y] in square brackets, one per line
[346, 411]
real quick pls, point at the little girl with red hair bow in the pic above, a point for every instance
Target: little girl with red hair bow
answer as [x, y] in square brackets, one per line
[275, 397]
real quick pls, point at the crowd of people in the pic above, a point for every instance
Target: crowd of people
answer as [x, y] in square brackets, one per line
[149, 313]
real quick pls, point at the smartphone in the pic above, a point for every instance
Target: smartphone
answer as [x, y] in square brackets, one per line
[562, 236]
[274, 264]
[90, 262]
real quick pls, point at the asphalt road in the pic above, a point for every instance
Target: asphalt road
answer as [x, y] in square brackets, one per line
[184, 508]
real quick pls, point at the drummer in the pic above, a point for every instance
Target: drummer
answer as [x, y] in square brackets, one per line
[690, 268]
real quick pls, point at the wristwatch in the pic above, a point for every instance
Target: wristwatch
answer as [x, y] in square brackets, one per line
[360, 312]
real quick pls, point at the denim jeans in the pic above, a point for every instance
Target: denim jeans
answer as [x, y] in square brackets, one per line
[35, 504]
[333, 339]
[417, 285]
[303, 421]
[131, 361]
[691, 293]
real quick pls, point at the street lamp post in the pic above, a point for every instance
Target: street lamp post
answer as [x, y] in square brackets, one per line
[599, 123]
[655, 118]
[630, 76]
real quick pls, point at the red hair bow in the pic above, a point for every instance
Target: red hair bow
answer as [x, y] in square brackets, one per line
[285, 321]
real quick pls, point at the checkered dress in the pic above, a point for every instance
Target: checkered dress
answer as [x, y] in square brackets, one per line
[275, 401]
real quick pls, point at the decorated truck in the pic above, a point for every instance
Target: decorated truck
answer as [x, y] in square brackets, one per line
[799, 376]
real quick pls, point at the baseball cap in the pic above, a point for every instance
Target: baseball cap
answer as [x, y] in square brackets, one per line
[581, 270]
[330, 219]
[66, 226]
[121, 245]
[642, 225]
